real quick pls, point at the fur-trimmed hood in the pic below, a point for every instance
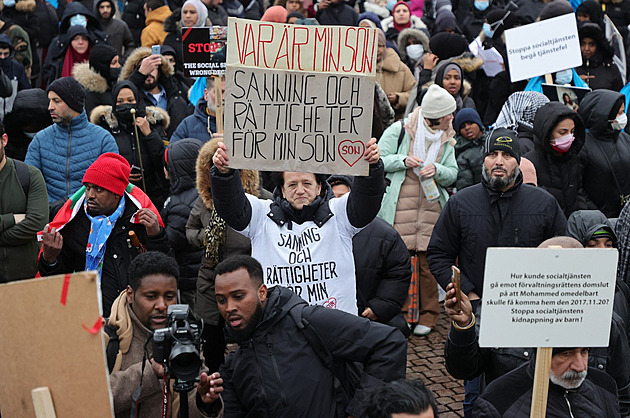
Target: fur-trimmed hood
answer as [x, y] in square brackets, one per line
[249, 178]
[467, 61]
[417, 35]
[89, 79]
[22, 6]
[138, 55]
[155, 116]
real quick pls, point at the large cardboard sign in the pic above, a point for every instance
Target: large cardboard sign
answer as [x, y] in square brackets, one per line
[204, 51]
[299, 98]
[46, 343]
[543, 47]
[547, 297]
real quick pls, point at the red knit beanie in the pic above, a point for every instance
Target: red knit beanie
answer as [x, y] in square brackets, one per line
[110, 171]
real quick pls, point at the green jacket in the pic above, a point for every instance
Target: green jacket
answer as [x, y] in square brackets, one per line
[395, 169]
[18, 242]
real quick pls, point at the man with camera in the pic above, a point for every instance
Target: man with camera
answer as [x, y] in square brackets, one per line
[140, 310]
[297, 360]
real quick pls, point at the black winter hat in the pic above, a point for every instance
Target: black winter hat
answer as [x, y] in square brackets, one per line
[500, 20]
[70, 91]
[506, 140]
[101, 57]
[447, 45]
[556, 8]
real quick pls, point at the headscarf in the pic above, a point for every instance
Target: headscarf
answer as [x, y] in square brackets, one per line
[277, 14]
[140, 107]
[397, 26]
[73, 57]
[202, 13]
[520, 108]
[439, 79]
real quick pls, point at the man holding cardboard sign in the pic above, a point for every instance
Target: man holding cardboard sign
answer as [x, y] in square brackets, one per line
[303, 237]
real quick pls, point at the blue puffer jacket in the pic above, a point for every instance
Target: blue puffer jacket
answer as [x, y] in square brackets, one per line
[62, 153]
[196, 125]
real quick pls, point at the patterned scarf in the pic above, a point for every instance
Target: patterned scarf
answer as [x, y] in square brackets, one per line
[520, 108]
[420, 147]
[622, 230]
[100, 229]
[214, 238]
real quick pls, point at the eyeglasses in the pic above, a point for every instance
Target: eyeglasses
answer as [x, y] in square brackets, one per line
[294, 2]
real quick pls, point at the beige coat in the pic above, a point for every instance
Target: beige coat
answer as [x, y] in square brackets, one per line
[415, 215]
[395, 77]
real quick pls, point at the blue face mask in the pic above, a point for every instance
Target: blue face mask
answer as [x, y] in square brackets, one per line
[564, 76]
[481, 5]
[78, 20]
[487, 30]
[9, 3]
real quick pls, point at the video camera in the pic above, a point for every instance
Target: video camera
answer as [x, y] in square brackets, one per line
[177, 347]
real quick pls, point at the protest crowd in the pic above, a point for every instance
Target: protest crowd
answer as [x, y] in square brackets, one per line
[113, 159]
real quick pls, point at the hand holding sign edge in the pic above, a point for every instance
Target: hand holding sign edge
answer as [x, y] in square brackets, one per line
[220, 158]
[372, 153]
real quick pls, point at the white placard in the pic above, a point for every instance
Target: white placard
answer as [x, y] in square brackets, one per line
[543, 47]
[548, 297]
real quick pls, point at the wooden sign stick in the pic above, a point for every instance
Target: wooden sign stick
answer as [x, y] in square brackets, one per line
[541, 382]
[218, 98]
[43, 403]
[548, 78]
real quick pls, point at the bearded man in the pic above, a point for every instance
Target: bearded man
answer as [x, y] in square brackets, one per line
[500, 211]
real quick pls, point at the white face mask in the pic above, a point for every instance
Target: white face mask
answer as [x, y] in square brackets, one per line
[619, 124]
[414, 51]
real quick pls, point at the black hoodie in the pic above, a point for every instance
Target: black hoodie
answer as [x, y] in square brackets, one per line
[606, 153]
[600, 66]
[559, 174]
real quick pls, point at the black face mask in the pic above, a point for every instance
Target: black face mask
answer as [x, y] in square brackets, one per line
[114, 73]
[123, 112]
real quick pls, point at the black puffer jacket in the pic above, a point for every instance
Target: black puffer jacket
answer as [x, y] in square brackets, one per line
[606, 153]
[181, 158]
[276, 372]
[151, 145]
[383, 269]
[479, 217]
[511, 397]
[118, 252]
[559, 174]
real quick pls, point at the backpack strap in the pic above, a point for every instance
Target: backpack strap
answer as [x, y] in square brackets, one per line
[402, 133]
[311, 335]
[113, 346]
[22, 172]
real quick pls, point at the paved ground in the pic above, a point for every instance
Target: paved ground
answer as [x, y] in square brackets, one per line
[425, 360]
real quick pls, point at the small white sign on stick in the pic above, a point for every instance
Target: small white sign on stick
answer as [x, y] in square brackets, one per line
[547, 297]
[543, 47]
